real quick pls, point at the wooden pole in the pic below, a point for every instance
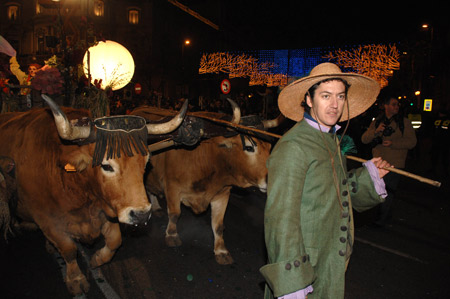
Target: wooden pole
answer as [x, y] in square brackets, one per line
[402, 172]
[399, 171]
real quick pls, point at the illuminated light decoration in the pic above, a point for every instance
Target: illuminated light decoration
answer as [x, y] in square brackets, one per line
[378, 62]
[111, 63]
[375, 61]
[241, 66]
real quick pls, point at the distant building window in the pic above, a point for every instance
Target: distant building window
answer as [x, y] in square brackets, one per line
[13, 12]
[133, 16]
[99, 8]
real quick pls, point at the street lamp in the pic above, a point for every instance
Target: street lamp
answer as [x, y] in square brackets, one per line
[109, 62]
[186, 43]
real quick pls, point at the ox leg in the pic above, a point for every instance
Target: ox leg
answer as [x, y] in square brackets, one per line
[218, 208]
[173, 211]
[76, 282]
[113, 239]
[156, 208]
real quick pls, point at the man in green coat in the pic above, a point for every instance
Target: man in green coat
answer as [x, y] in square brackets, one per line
[308, 216]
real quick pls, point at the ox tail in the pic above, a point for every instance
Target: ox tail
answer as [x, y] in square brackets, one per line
[8, 201]
[8, 197]
[5, 220]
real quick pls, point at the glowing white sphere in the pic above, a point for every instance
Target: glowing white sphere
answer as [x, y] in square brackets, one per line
[110, 62]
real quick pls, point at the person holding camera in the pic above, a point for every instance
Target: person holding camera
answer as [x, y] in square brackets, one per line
[391, 136]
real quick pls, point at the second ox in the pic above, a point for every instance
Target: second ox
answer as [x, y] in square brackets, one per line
[204, 174]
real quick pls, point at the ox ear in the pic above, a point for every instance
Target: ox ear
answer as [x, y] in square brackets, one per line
[75, 161]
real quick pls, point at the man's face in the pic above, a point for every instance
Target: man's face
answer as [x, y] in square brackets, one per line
[391, 109]
[32, 70]
[328, 103]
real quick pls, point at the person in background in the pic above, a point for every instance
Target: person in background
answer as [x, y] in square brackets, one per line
[391, 136]
[24, 78]
[308, 218]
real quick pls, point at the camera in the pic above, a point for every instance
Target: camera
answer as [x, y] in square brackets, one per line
[388, 130]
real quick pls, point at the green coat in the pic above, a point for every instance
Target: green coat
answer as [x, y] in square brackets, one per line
[308, 226]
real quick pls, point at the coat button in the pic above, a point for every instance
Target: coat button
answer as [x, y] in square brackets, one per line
[344, 193]
[342, 252]
[342, 239]
[304, 259]
[343, 228]
[354, 190]
[345, 203]
[344, 214]
[350, 175]
[297, 263]
[353, 184]
[344, 181]
[288, 266]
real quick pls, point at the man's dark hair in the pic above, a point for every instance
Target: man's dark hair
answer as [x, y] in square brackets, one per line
[386, 100]
[312, 90]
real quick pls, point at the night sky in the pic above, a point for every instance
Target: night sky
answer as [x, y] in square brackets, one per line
[301, 24]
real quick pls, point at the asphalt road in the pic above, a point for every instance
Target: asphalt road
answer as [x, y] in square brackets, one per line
[407, 259]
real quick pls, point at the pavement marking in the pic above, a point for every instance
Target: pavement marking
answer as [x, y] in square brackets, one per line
[396, 252]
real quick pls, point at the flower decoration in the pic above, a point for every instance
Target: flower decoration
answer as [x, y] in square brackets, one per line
[48, 80]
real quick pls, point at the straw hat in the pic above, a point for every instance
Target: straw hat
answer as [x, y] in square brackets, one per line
[361, 95]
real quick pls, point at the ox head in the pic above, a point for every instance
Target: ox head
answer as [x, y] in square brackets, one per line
[245, 158]
[247, 154]
[117, 149]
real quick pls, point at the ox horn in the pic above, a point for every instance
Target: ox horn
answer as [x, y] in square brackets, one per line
[171, 125]
[236, 111]
[272, 123]
[65, 129]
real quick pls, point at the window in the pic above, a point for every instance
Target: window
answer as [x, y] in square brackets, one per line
[99, 8]
[133, 16]
[38, 8]
[13, 12]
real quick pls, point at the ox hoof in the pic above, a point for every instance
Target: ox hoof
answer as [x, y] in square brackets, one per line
[224, 259]
[96, 261]
[173, 241]
[78, 285]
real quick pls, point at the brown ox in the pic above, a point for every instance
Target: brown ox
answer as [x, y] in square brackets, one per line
[204, 175]
[79, 205]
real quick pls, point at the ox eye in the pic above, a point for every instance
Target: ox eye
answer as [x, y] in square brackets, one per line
[107, 167]
[249, 148]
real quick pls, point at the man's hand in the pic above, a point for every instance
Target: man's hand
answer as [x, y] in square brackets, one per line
[380, 164]
[380, 128]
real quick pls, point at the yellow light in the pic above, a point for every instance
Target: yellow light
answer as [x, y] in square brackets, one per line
[417, 93]
[110, 62]
[187, 42]
[425, 26]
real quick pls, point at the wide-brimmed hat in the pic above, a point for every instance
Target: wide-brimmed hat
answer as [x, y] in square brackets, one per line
[361, 95]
